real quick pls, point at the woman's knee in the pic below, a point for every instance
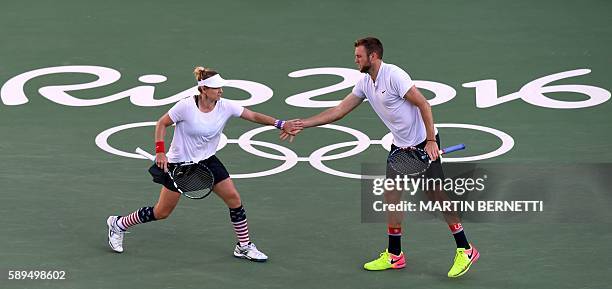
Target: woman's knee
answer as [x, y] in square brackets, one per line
[228, 193]
[161, 213]
[232, 199]
[166, 203]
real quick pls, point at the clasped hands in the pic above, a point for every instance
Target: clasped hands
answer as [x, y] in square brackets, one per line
[291, 128]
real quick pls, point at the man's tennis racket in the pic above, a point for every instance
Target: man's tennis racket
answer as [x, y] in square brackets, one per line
[414, 161]
[194, 180]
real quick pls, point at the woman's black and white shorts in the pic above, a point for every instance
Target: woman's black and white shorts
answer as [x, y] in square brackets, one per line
[213, 163]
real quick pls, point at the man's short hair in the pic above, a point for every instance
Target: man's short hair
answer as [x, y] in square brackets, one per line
[371, 44]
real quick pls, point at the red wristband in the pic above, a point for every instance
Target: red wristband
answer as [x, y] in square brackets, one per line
[159, 147]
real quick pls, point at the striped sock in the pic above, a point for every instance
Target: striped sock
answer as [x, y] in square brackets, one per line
[240, 224]
[142, 215]
[459, 235]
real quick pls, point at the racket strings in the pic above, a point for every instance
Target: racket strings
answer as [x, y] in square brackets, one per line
[192, 178]
[408, 162]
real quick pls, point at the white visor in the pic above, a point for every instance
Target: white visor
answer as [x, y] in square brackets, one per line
[215, 81]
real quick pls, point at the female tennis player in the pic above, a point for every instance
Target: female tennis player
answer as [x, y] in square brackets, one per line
[199, 122]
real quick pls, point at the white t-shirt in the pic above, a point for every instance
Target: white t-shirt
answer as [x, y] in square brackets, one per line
[197, 134]
[386, 96]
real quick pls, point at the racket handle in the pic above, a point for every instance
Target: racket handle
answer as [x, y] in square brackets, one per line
[452, 148]
[145, 154]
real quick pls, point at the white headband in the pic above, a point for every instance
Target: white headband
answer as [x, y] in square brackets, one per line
[215, 81]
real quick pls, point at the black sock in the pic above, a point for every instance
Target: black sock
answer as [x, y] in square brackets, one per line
[461, 240]
[395, 240]
[395, 244]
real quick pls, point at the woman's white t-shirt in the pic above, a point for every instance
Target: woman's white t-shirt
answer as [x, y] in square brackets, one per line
[197, 134]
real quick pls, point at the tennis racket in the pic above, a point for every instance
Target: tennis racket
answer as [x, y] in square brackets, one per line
[414, 161]
[194, 180]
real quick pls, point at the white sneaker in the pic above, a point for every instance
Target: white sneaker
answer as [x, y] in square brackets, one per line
[115, 235]
[249, 252]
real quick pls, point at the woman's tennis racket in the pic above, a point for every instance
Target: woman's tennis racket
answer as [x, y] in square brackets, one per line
[414, 161]
[194, 180]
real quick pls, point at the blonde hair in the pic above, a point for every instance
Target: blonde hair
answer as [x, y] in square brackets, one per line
[202, 73]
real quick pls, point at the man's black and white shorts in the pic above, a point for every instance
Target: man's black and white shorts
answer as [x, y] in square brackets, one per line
[435, 169]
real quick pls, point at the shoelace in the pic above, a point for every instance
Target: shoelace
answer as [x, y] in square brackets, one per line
[462, 261]
[384, 256]
[245, 248]
[251, 248]
[118, 231]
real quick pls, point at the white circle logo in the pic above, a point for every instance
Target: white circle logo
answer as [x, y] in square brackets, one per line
[317, 157]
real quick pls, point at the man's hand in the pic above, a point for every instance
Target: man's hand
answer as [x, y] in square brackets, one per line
[291, 129]
[432, 149]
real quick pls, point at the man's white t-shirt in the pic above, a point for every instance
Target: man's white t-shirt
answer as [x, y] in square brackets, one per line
[386, 96]
[197, 134]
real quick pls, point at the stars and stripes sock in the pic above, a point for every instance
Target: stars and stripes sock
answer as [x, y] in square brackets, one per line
[142, 215]
[459, 235]
[240, 224]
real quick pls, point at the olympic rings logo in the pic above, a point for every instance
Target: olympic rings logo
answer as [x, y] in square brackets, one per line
[485, 94]
[317, 157]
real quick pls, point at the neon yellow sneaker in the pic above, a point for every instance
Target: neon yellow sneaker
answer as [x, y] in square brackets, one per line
[464, 258]
[386, 261]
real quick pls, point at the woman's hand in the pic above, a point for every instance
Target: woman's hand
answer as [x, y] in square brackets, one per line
[162, 161]
[291, 129]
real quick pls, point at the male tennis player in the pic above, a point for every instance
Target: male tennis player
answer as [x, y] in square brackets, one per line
[199, 122]
[406, 112]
